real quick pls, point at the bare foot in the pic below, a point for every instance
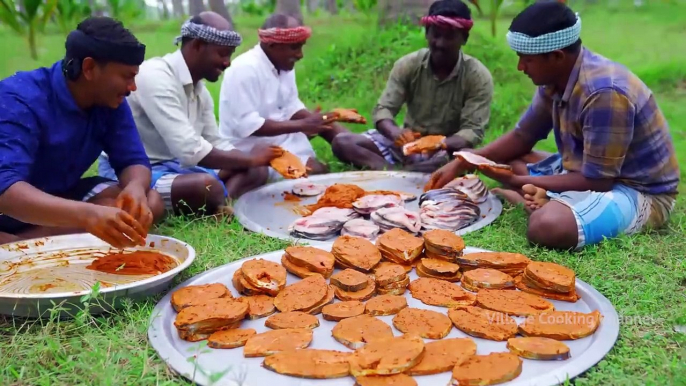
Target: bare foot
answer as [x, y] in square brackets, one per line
[534, 196]
[224, 212]
[509, 195]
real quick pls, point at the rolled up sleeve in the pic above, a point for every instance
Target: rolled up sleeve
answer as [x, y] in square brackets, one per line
[19, 135]
[608, 128]
[239, 115]
[395, 93]
[537, 121]
[476, 111]
[122, 143]
[160, 98]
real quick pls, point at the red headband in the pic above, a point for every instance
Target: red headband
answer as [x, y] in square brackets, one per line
[445, 21]
[284, 35]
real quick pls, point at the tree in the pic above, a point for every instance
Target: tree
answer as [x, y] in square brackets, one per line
[219, 7]
[290, 7]
[332, 6]
[391, 11]
[177, 9]
[32, 18]
[196, 6]
[312, 6]
[69, 12]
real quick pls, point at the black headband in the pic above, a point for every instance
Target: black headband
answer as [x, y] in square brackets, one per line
[80, 46]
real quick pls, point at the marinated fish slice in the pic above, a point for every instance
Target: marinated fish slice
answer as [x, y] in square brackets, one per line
[194, 295]
[431, 253]
[391, 291]
[386, 380]
[343, 310]
[292, 319]
[495, 260]
[357, 331]
[561, 325]
[571, 297]
[487, 278]
[259, 306]
[477, 160]
[387, 356]
[356, 252]
[314, 259]
[350, 280]
[444, 242]
[490, 369]
[440, 293]
[360, 228]
[512, 302]
[298, 271]
[385, 305]
[308, 189]
[242, 286]
[265, 275]
[441, 356]
[469, 287]
[348, 115]
[328, 299]
[400, 245]
[362, 295]
[544, 349]
[425, 145]
[421, 272]
[289, 165]
[391, 258]
[310, 363]
[425, 323]
[388, 273]
[271, 342]
[551, 276]
[211, 316]
[228, 339]
[302, 295]
[437, 267]
[197, 336]
[483, 323]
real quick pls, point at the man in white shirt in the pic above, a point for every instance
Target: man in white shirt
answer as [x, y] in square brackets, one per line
[193, 168]
[259, 102]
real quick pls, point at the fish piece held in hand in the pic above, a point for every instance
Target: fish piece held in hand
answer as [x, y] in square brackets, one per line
[479, 161]
[289, 165]
[348, 116]
[425, 145]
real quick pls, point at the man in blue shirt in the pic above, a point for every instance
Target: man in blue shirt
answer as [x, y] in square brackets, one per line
[54, 123]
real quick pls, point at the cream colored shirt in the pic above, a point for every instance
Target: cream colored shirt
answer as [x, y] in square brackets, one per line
[175, 118]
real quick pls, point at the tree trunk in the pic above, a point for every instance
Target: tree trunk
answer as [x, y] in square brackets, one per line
[332, 7]
[312, 6]
[177, 9]
[165, 9]
[32, 41]
[409, 11]
[195, 7]
[220, 7]
[290, 7]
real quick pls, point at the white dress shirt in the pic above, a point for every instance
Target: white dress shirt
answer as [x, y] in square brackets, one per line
[175, 118]
[253, 91]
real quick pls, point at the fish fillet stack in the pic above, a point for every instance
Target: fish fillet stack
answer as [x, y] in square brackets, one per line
[259, 277]
[448, 209]
[472, 186]
[511, 263]
[548, 280]
[400, 247]
[308, 261]
[443, 245]
[355, 253]
[391, 278]
[323, 224]
[196, 323]
[350, 284]
[360, 227]
[439, 269]
[397, 218]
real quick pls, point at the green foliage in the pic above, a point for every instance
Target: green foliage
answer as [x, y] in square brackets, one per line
[28, 21]
[70, 12]
[363, 6]
[126, 10]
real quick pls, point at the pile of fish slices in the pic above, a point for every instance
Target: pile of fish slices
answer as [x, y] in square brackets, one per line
[453, 207]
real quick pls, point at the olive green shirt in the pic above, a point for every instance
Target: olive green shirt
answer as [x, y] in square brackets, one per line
[458, 105]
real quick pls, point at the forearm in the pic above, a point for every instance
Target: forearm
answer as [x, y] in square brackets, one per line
[572, 181]
[227, 160]
[272, 128]
[137, 176]
[507, 148]
[387, 128]
[30, 205]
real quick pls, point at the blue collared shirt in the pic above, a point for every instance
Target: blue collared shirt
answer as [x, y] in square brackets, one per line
[46, 140]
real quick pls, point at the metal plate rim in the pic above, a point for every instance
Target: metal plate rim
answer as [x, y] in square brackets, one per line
[96, 242]
[607, 335]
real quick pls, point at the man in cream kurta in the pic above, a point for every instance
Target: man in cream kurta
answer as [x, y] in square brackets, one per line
[193, 167]
[259, 102]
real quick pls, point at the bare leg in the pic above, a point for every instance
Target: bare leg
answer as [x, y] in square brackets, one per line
[553, 226]
[360, 151]
[196, 192]
[519, 165]
[516, 196]
[240, 183]
[314, 167]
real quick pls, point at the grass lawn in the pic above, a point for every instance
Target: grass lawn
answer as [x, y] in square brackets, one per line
[643, 276]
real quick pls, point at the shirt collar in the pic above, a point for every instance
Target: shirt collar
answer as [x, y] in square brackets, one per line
[180, 68]
[571, 82]
[264, 59]
[426, 63]
[59, 85]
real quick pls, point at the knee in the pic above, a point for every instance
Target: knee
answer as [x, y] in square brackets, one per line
[549, 229]
[342, 143]
[156, 205]
[259, 176]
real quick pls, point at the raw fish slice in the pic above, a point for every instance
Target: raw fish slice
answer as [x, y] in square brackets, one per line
[472, 186]
[440, 195]
[360, 228]
[315, 228]
[478, 160]
[308, 189]
[401, 217]
[372, 202]
[335, 214]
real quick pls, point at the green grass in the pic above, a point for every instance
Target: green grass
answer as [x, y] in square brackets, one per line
[644, 276]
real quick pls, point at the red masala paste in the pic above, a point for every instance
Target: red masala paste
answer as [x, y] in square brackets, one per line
[135, 263]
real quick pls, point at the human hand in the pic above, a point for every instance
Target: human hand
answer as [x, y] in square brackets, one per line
[134, 201]
[114, 226]
[445, 174]
[504, 176]
[317, 122]
[455, 143]
[263, 154]
[405, 136]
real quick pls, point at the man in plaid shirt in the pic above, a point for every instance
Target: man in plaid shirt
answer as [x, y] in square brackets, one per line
[615, 170]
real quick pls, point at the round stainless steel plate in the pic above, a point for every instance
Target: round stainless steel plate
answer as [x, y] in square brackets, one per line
[229, 367]
[39, 274]
[264, 210]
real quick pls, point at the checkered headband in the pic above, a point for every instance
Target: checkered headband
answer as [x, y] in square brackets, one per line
[527, 45]
[209, 34]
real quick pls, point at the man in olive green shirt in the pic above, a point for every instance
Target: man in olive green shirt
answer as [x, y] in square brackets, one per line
[446, 91]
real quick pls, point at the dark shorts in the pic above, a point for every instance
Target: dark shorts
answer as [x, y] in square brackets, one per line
[84, 190]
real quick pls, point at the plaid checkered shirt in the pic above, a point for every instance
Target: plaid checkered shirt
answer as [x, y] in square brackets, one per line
[607, 124]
